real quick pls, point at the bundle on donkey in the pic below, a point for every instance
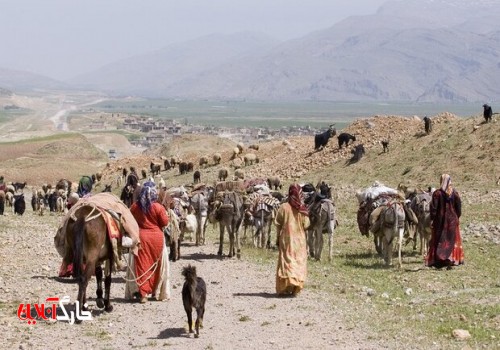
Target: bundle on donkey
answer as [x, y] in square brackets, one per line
[381, 211]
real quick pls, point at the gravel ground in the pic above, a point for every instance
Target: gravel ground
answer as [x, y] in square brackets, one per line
[242, 310]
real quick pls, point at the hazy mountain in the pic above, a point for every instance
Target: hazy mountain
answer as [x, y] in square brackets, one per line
[412, 50]
[152, 74]
[407, 51]
[26, 81]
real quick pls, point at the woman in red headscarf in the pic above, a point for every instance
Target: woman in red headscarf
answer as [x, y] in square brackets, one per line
[445, 247]
[291, 223]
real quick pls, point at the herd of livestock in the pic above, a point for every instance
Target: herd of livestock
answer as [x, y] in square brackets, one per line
[239, 206]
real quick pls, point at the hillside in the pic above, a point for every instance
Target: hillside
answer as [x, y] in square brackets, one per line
[351, 302]
[48, 159]
[465, 148]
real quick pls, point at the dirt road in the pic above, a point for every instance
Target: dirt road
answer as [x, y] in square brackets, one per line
[242, 310]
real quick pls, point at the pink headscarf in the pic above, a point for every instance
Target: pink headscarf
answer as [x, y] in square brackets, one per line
[295, 198]
[446, 184]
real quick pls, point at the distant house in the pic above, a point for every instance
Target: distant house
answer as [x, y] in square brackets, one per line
[112, 154]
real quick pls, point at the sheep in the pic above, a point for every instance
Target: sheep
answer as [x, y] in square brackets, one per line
[217, 158]
[250, 158]
[60, 205]
[240, 146]
[239, 174]
[161, 183]
[274, 182]
[320, 140]
[236, 151]
[144, 173]
[223, 173]
[188, 225]
[203, 161]
[237, 163]
[254, 146]
[190, 166]
[344, 139]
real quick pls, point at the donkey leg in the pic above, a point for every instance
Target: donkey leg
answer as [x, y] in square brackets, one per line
[310, 242]
[107, 286]
[82, 288]
[269, 228]
[197, 324]
[400, 246]
[330, 246]
[231, 241]
[388, 251]
[221, 238]
[319, 244]
[189, 313]
[238, 247]
[98, 275]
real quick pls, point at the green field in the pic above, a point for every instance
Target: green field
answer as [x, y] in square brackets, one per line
[277, 114]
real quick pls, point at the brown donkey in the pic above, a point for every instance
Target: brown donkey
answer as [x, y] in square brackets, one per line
[89, 245]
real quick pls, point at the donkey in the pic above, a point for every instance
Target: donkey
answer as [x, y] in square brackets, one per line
[229, 213]
[263, 214]
[421, 206]
[89, 245]
[200, 205]
[390, 226]
[322, 216]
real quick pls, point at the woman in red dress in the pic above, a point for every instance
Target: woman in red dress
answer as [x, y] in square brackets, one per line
[445, 247]
[151, 263]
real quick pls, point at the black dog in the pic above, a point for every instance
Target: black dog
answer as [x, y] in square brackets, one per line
[194, 295]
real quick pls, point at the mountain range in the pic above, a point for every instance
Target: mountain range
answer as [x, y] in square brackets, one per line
[413, 50]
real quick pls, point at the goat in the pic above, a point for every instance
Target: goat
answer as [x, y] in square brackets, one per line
[19, 204]
[320, 140]
[196, 177]
[487, 113]
[427, 125]
[385, 145]
[357, 153]
[155, 168]
[344, 139]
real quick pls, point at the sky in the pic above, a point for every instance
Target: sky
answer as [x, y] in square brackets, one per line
[63, 38]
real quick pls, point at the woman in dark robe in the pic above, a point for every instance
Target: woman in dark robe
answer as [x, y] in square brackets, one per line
[445, 247]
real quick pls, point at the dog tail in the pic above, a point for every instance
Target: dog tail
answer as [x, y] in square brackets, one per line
[189, 273]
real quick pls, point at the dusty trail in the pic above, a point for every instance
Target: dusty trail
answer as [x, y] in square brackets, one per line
[242, 310]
